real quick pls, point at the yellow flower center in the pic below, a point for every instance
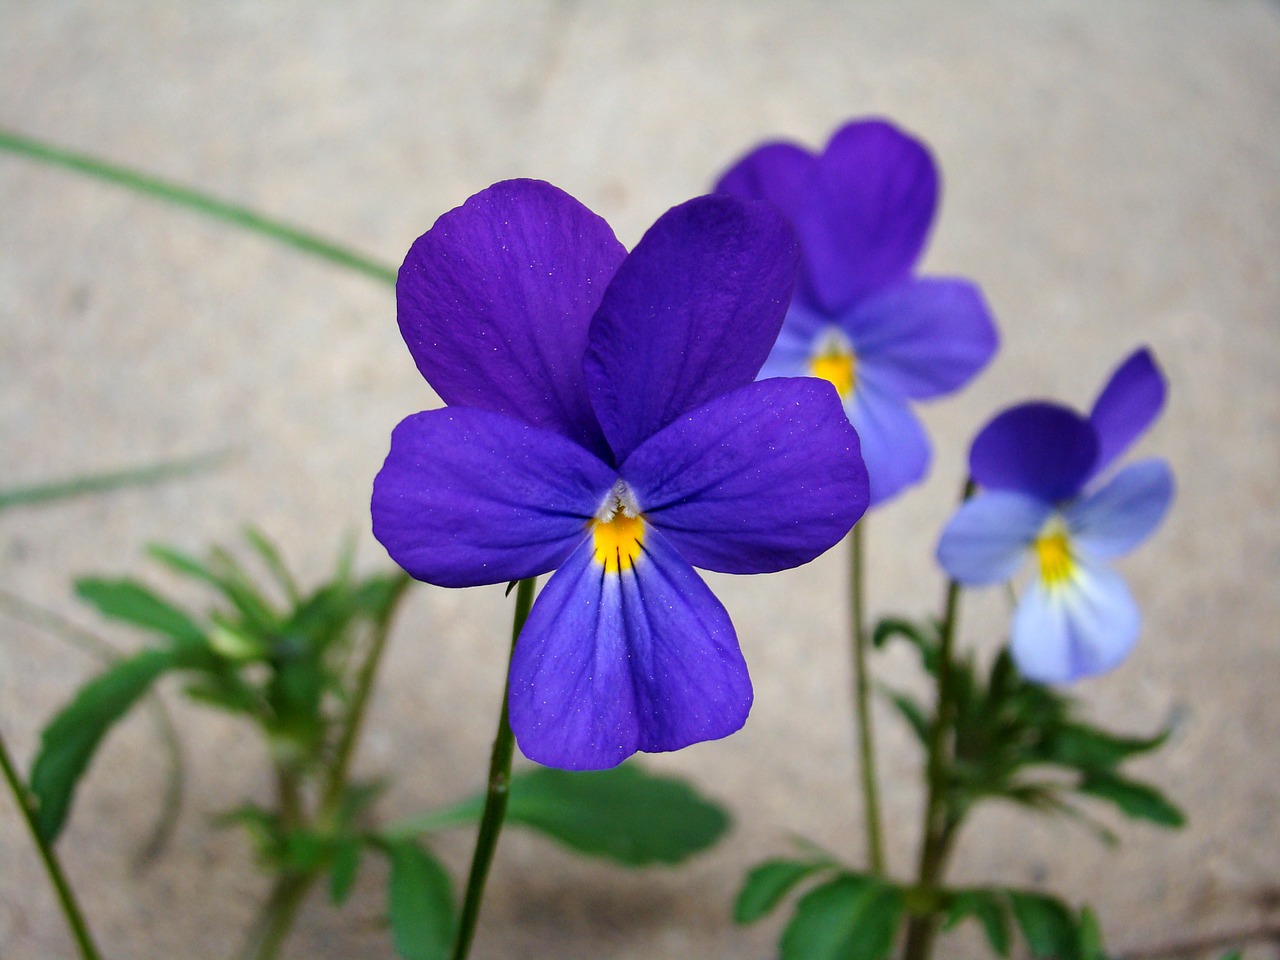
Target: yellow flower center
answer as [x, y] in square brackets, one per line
[618, 541]
[833, 360]
[1053, 550]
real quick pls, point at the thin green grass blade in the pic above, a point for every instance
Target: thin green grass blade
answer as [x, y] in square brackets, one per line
[92, 483]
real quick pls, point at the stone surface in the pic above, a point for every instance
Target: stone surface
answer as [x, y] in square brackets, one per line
[1112, 178]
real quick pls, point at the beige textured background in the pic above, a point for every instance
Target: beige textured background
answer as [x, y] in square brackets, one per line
[1112, 178]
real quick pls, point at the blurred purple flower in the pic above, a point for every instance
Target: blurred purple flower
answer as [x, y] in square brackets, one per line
[861, 318]
[603, 422]
[1040, 466]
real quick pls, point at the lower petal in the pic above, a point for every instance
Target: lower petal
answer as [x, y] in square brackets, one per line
[1082, 628]
[894, 445]
[612, 662]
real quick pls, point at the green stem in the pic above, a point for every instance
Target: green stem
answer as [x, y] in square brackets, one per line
[940, 823]
[70, 908]
[204, 203]
[862, 706]
[495, 801]
[272, 927]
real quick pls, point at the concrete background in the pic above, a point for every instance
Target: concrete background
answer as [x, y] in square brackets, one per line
[1112, 177]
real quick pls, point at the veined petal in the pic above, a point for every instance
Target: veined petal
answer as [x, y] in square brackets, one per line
[1122, 513]
[468, 497]
[762, 479]
[691, 314]
[1041, 449]
[867, 220]
[894, 444]
[924, 337]
[495, 301]
[1127, 406]
[1080, 628]
[614, 661]
[987, 538]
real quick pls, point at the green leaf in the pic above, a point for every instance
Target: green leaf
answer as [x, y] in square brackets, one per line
[69, 741]
[768, 883]
[102, 482]
[131, 602]
[1089, 936]
[624, 814]
[274, 561]
[925, 640]
[255, 610]
[987, 907]
[1089, 749]
[1046, 924]
[1233, 955]
[343, 869]
[1137, 800]
[911, 712]
[419, 903]
[853, 917]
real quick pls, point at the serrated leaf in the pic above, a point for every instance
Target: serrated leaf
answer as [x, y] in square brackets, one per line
[1137, 800]
[343, 869]
[987, 907]
[1090, 749]
[853, 917]
[768, 883]
[133, 603]
[70, 739]
[419, 903]
[1046, 924]
[624, 814]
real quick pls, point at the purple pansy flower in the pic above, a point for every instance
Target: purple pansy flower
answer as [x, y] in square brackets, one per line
[604, 422]
[1040, 466]
[861, 318]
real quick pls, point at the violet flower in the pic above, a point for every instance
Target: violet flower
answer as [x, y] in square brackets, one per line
[603, 422]
[1040, 466]
[861, 318]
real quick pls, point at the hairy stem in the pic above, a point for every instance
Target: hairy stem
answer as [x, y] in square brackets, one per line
[66, 899]
[862, 705]
[495, 801]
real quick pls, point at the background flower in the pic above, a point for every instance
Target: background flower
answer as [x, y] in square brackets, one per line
[861, 318]
[1040, 466]
[604, 423]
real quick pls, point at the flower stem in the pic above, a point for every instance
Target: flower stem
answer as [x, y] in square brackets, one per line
[940, 821]
[495, 801]
[196, 200]
[67, 900]
[862, 706]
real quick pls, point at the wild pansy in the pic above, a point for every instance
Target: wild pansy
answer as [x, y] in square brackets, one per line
[861, 318]
[1040, 466]
[603, 422]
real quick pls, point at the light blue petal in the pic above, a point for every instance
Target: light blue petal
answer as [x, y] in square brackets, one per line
[1078, 629]
[988, 537]
[1126, 510]
[894, 444]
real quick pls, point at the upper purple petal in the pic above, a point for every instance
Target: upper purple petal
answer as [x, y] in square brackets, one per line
[867, 219]
[1041, 449]
[762, 479]
[468, 497]
[495, 301]
[1127, 406]
[691, 314]
[776, 172]
[610, 663]
[924, 337]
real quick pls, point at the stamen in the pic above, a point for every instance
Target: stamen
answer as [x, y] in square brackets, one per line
[1053, 550]
[618, 529]
[833, 360]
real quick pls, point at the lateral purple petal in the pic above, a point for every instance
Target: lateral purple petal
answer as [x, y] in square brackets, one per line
[495, 300]
[762, 479]
[610, 663]
[1127, 406]
[1114, 519]
[894, 444]
[865, 227]
[468, 497]
[923, 337]
[987, 538]
[1041, 449]
[691, 314]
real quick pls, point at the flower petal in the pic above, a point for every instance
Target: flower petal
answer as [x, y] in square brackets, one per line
[866, 223]
[610, 663]
[1079, 629]
[762, 479]
[776, 172]
[1041, 449]
[924, 337]
[894, 444]
[792, 353]
[691, 314]
[494, 302]
[1127, 406]
[469, 497]
[1117, 517]
[987, 538]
